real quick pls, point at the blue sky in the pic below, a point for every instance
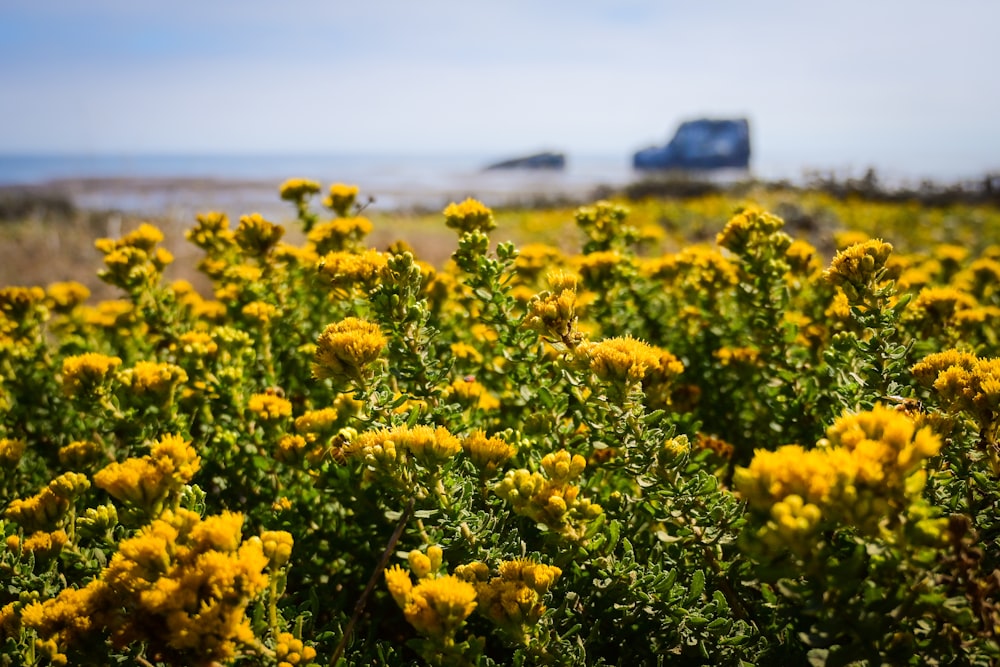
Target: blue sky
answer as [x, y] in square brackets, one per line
[905, 86]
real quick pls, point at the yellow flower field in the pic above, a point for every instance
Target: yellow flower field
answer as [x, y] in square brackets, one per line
[704, 431]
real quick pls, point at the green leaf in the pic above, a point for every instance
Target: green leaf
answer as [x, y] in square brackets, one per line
[696, 587]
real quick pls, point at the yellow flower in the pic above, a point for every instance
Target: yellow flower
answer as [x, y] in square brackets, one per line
[626, 360]
[437, 607]
[290, 651]
[87, 374]
[598, 268]
[339, 234]
[182, 585]
[148, 481]
[11, 451]
[533, 258]
[604, 224]
[465, 351]
[196, 344]
[430, 446]
[737, 356]
[562, 467]
[256, 236]
[751, 227]
[63, 297]
[42, 545]
[487, 453]
[341, 198]
[323, 421]
[803, 258]
[469, 216]
[298, 189]
[348, 269]
[346, 349]
[857, 268]
[277, 545]
[471, 393]
[964, 382]
[552, 501]
[865, 473]
[212, 232]
[553, 312]
[79, 453]
[109, 314]
[292, 449]
[154, 378]
[938, 306]
[259, 311]
[45, 509]
[270, 407]
[397, 580]
[17, 302]
[513, 598]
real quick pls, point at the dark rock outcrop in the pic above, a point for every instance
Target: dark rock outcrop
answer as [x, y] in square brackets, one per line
[548, 160]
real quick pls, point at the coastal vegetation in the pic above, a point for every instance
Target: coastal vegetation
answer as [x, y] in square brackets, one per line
[738, 427]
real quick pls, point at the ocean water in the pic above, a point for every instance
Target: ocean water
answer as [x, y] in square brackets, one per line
[184, 184]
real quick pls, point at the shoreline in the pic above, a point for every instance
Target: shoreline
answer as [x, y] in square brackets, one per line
[182, 197]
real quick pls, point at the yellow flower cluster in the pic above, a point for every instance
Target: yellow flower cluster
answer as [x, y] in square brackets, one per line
[470, 393]
[513, 598]
[196, 344]
[469, 216]
[339, 234]
[346, 269]
[751, 228]
[17, 302]
[298, 189]
[534, 258]
[41, 544]
[181, 585]
[134, 259]
[965, 383]
[149, 481]
[936, 307]
[62, 297]
[11, 451]
[211, 233]
[259, 312]
[277, 547]
[857, 268]
[79, 453]
[270, 407]
[388, 447]
[321, 422]
[625, 361]
[551, 499]
[597, 269]
[863, 474]
[290, 651]
[737, 356]
[552, 312]
[45, 509]
[696, 267]
[341, 198]
[156, 380]
[346, 349]
[257, 236]
[439, 604]
[604, 223]
[487, 453]
[87, 375]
